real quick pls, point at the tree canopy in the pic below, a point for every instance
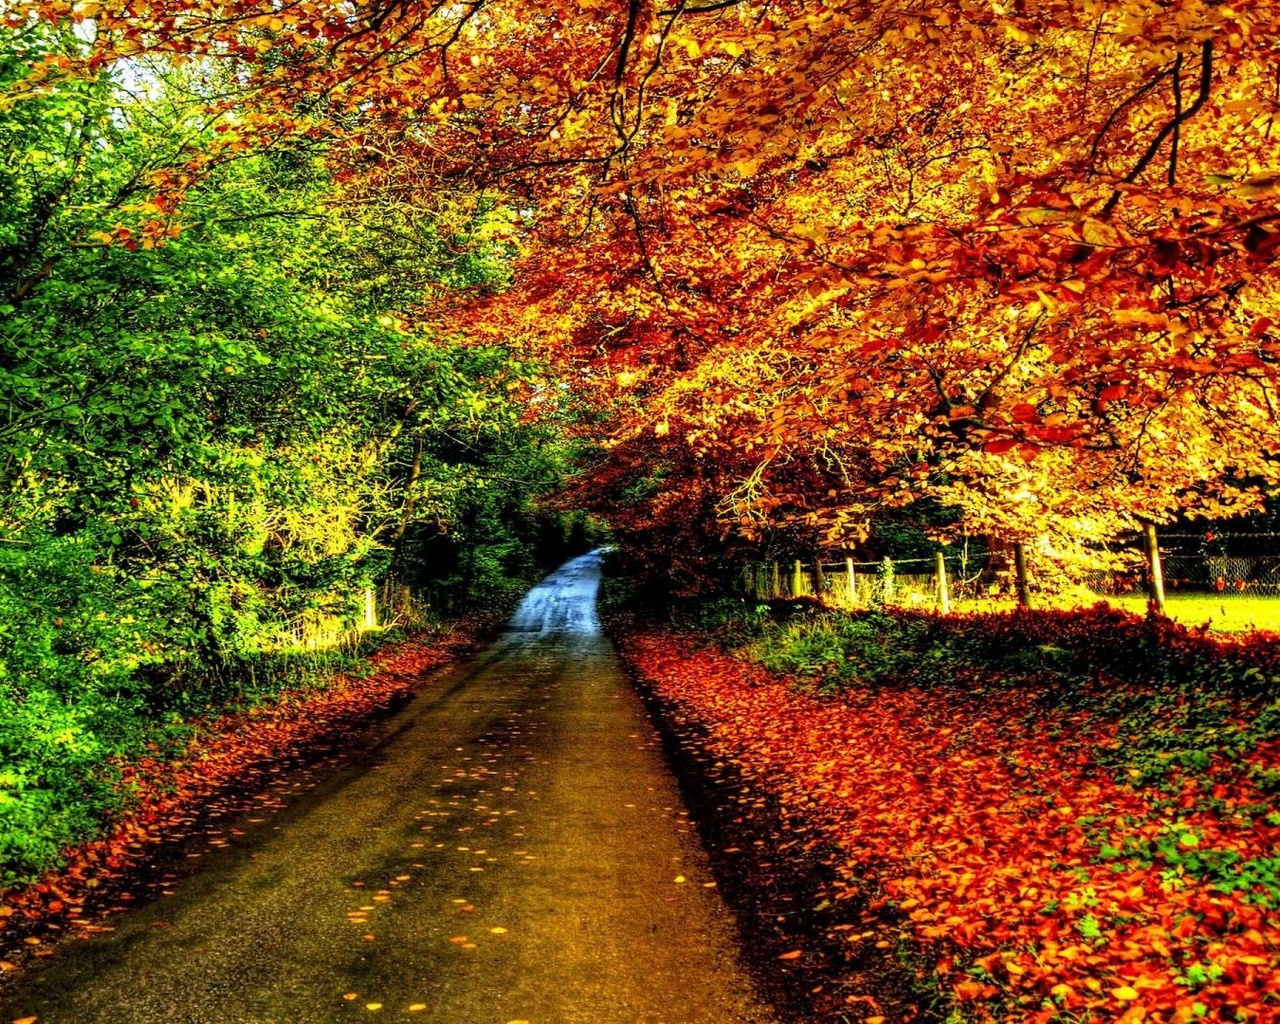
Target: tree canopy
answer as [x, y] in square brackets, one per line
[811, 260]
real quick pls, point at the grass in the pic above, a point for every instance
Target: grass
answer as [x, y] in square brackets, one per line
[1223, 614]
[1229, 614]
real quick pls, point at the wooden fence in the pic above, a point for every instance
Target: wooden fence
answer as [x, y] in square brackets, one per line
[910, 582]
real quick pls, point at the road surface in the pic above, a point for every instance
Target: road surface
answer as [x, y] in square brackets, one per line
[509, 847]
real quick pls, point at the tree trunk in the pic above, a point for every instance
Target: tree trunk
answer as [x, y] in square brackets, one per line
[1155, 572]
[410, 492]
[1020, 567]
[944, 598]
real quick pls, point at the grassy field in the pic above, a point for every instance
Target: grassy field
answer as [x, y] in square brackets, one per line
[1227, 613]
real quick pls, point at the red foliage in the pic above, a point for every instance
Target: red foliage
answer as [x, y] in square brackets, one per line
[238, 749]
[982, 815]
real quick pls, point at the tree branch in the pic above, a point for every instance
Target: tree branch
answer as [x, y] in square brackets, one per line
[1206, 78]
[721, 5]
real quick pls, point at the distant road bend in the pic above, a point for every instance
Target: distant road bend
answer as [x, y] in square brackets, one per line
[510, 847]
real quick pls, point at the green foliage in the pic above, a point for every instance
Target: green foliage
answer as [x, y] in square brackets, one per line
[834, 650]
[1180, 855]
[216, 429]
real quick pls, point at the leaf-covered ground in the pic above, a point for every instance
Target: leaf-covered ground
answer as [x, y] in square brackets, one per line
[1060, 842]
[231, 764]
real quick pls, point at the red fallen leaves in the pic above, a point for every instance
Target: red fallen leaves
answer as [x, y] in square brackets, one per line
[237, 748]
[982, 819]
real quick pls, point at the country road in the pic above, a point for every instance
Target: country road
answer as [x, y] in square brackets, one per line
[508, 847]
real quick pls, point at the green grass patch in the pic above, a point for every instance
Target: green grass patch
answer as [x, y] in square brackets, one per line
[1219, 613]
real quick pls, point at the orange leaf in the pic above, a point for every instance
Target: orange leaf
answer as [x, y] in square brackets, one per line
[795, 954]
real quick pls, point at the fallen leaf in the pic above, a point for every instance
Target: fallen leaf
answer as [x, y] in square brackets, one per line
[26, 1020]
[498, 931]
[679, 879]
[417, 1007]
[795, 954]
[1125, 993]
[351, 996]
[373, 1006]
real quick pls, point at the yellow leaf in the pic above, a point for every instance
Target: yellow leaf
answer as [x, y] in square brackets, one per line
[417, 1007]
[498, 931]
[1125, 993]
[373, 1006]
[732, 49]
[1097, 232]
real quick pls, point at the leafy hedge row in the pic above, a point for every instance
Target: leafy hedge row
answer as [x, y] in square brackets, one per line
[95, 668]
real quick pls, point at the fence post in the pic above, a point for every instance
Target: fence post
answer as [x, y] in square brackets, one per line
[370, 609]
[819, 581]
[944, 599]
[797, 578]
[1155, 572]
[853, 582]
[775, 580]
[1020, 568]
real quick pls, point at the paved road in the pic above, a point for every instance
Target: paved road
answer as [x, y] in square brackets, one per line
[510, 847]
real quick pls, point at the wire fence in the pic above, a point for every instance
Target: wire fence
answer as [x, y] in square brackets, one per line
[1227, 565]
[1223, 565]
[848, 584]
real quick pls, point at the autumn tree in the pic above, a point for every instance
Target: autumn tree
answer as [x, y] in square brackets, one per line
[1018, 256]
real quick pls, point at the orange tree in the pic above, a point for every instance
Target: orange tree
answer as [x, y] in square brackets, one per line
[1017, 255]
